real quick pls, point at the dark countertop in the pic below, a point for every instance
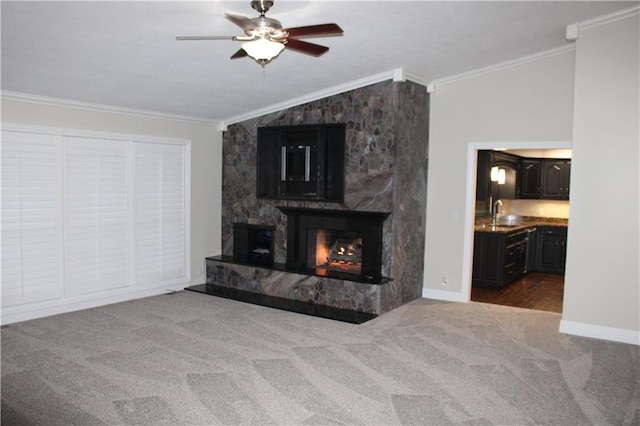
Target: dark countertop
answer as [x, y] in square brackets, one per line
[484, 224]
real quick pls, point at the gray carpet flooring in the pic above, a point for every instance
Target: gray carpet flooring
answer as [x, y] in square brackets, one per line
[191, 359]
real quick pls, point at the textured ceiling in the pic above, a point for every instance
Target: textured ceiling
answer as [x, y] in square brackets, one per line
[124, 54]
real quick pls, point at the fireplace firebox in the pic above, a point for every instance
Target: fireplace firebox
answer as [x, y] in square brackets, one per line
[339, 243]
[335, 250]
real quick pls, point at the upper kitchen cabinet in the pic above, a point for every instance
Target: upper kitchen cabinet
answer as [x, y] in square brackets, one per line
[519, 177]
[504, 184]
[529, 178]
[483, 182]
[555, 179]
[496, 179]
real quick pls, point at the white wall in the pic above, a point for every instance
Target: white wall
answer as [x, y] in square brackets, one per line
[520, 106]
[533, 103]
[602, 287]
[206, 160]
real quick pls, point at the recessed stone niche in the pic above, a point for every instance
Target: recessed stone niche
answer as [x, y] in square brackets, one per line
[385, 171]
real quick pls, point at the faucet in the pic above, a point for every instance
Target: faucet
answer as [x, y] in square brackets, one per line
[496, 212]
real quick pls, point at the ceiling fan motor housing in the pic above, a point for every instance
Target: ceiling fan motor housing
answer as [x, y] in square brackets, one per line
[267, 27]
[261, 6]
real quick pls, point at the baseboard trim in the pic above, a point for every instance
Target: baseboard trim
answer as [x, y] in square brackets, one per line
[19, 313]
[600, 332]
[449, 296]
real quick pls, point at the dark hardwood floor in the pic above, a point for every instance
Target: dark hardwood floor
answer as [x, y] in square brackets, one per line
[542, 292]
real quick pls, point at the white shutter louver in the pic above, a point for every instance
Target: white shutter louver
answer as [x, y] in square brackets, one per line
[31, 234]
[160, 213]
[96, 214]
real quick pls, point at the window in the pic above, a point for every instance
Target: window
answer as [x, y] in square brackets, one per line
[84, 215]
[159, 212]
[31, 225]
[96, 212]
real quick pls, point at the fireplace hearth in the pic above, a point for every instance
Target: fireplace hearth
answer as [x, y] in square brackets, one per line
[338, 243]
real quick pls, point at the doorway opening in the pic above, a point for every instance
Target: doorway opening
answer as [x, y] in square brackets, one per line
[537, 287]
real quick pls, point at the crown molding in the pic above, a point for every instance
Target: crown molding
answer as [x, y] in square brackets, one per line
[98, 134]
[501, 66]
[397, 75]
[86, 106]
[423, 81]
[573, 30]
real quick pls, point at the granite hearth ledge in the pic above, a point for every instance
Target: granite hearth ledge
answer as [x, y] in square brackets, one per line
[320, 293]
[318, 272]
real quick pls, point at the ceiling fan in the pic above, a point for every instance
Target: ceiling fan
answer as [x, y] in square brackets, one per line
[265, 38]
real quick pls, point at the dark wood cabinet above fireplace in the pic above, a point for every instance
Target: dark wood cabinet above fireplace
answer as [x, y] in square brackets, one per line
[304, 162]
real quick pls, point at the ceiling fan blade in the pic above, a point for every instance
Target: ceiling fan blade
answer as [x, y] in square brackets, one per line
[206, 38]
[239, 54]
[241, 21]
[305, 47]
[322, 30]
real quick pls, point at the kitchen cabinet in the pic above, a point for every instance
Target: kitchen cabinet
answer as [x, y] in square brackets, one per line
[526, 178]
[499, 258]
[488, 260]
[486, 190]
[555, 179]
[483, 183]
[509, 163]
[515, 256]
[551, 249]
[532, 244]
[546, 179]
[529, 179]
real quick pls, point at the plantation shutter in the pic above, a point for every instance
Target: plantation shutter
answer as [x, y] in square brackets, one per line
[31, 226]
[160, 213]
[96, 214]
[87, 215]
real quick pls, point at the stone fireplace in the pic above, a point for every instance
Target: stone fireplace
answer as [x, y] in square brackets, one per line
[385, 174]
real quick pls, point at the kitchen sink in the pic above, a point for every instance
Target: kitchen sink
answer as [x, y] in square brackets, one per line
[510, 221]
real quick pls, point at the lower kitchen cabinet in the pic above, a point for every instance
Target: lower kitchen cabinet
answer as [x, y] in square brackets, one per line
[551, 249]
[515, 261]
[499, 258]
[488, 260]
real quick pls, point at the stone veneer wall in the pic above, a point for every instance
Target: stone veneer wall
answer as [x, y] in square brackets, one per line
[385, 170]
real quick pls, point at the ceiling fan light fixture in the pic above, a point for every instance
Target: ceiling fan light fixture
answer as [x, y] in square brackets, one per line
[262, 50]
